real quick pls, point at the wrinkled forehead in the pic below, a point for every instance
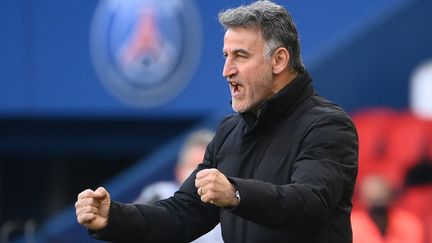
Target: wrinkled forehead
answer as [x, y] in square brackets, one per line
[242, 37]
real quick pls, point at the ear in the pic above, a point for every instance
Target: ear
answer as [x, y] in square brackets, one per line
[280, 60]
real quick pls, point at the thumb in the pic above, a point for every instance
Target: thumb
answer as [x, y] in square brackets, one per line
[101, 193]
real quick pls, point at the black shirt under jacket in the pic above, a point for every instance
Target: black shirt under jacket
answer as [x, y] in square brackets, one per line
[294, 165]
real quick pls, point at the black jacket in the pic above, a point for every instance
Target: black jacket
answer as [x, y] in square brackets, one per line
[294, 165]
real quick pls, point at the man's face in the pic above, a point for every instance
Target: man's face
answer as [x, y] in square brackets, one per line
[249, 75]
[193, 156]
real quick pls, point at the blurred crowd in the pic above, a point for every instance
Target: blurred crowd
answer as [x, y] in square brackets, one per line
[393, 198]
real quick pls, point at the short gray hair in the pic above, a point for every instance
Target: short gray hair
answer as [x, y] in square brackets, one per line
[276, 25]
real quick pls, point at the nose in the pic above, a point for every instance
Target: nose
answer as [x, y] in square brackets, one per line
[229, 69]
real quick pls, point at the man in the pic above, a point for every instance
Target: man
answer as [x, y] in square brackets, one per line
[190, 155]
[281, 170]
[378, 219]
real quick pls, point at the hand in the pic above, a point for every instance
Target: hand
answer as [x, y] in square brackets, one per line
[92, 208]
[214, 188]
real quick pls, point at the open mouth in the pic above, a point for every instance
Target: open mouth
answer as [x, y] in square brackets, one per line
[235, 88]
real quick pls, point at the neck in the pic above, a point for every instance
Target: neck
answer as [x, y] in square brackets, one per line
[283, 79]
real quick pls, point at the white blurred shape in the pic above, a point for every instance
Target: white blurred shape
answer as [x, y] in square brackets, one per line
[421, 91]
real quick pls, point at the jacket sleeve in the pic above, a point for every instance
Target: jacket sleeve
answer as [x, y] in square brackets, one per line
[324, 174]
[181, 218]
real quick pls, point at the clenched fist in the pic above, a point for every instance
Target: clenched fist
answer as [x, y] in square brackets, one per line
[215, 188]
[92, 208]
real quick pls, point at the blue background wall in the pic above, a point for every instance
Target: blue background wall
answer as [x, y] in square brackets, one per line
[46, 68]
[57, 119]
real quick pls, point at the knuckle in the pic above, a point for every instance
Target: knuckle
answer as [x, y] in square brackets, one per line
[213, 195]
[89, 209]
[91, 201]
[211, 186]
[87, 217]
[78, 212]
[82, 210]
[80, 219]
[80, 203]
[212, 178]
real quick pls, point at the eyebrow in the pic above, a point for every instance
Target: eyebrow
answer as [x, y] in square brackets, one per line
[237, 51]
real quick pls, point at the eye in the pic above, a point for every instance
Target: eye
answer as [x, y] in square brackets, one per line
[225, 55]
[241, 57]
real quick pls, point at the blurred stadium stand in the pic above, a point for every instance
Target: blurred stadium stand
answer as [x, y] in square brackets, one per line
[59, 124]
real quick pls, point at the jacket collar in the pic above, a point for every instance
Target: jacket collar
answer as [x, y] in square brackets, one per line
[282, 103]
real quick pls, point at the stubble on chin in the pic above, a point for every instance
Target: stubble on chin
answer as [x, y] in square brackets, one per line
[234, 106]
[241, 108]
[237, 106]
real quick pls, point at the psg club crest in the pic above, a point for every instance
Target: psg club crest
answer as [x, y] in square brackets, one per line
[145, 51]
